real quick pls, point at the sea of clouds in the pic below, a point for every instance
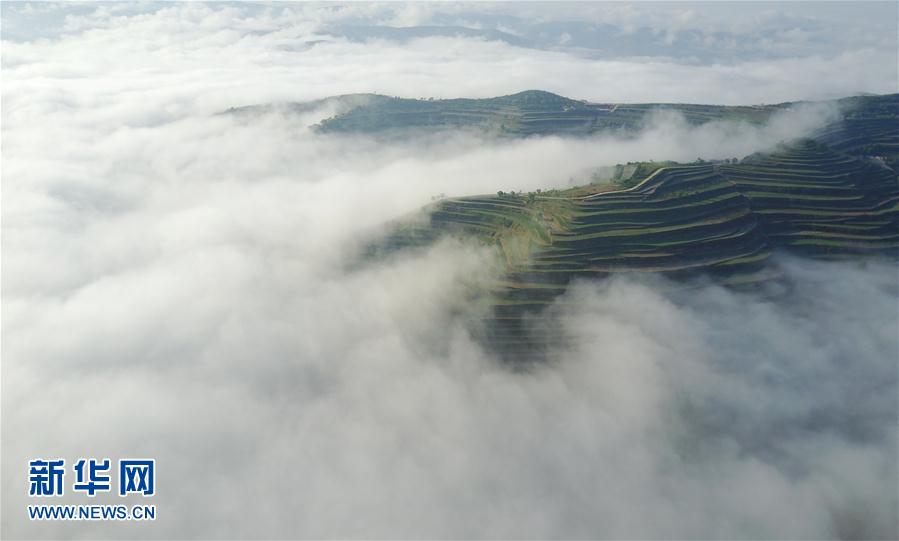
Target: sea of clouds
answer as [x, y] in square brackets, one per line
[177, 284]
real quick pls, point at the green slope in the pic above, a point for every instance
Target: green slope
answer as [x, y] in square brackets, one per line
[832, 196]
[532, 112]
[721, 220]
[865, 121]
[869, 126]
[866, 125]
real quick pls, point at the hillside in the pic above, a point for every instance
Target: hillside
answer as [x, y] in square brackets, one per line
[720, 220]
[532, 112]
[866, 125]
[869, 127]
[833, 195]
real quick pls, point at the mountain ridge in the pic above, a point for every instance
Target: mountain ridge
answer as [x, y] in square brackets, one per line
[831, 195]
[866, 124]
[721, 220]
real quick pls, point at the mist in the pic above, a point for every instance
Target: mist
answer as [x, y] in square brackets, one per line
[200, 308]
[177, 283]
[279, 403]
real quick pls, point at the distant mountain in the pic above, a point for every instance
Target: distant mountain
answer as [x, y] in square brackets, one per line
[532, 112]
[834, 195]
[868, 125]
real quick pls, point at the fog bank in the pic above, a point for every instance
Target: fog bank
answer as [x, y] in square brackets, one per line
[176, 285]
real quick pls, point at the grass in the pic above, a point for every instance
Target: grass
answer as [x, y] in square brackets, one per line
[678, 219]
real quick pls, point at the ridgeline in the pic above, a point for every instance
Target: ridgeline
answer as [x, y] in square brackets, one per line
[830, 196]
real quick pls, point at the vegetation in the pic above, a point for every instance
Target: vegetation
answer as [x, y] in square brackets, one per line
[831, 196]
[723, 219]
[532, 112]
[869, 127]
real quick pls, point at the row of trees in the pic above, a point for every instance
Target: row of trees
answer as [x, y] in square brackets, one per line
[529, 197]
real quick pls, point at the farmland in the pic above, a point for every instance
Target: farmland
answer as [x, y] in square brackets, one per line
[865, 123]
[832, 195]
[722, 220]
[528, 113]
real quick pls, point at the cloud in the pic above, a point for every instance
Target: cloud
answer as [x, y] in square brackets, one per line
[222, 56]
[176, 285]
[356, 405]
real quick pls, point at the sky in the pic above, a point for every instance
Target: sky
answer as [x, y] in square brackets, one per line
[736, 53]
[185, 285]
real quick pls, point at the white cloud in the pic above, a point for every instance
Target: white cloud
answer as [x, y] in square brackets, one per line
[176, 284]
[233, 58]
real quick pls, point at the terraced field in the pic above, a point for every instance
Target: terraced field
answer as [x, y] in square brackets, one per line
[869, 127]
[832, 196]
[721, 220]
[866, 125]
[532, 112]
